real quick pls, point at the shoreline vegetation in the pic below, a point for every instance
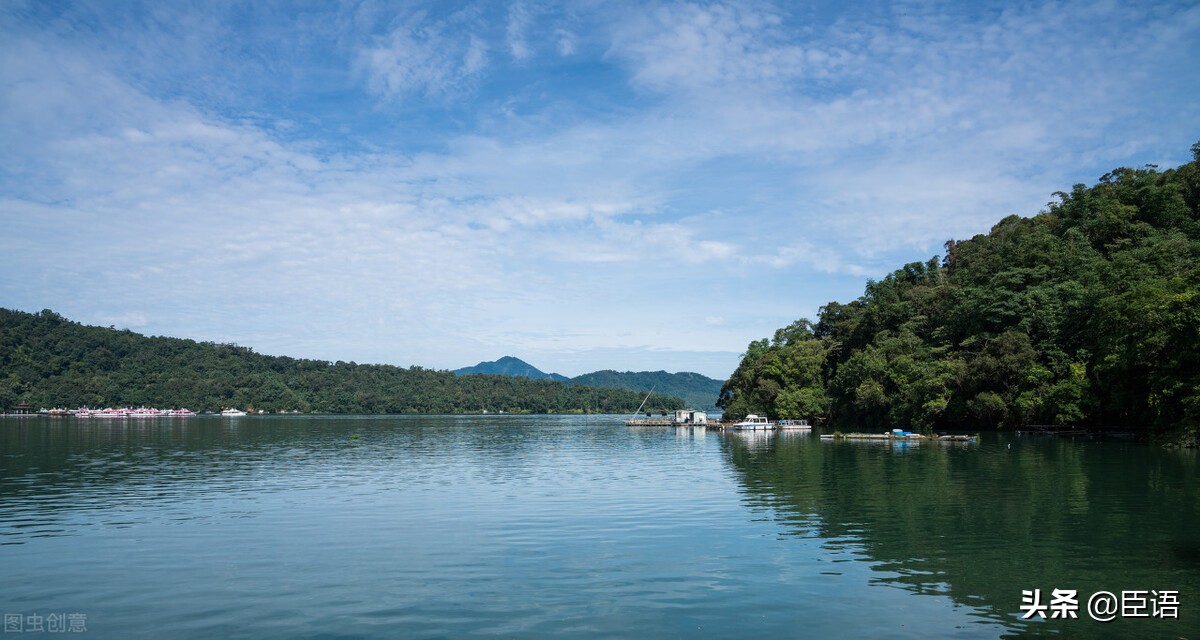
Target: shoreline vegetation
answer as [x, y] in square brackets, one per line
[697, 391]
[49, 361]
[1087, 314]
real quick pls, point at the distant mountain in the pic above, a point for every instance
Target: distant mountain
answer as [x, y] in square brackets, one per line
[49, 361]
[510, 366]
[697, 391]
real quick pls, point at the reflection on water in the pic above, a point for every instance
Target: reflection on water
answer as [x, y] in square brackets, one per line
[979, 523]
[575, 527]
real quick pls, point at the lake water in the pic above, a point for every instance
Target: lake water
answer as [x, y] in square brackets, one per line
[578, 527]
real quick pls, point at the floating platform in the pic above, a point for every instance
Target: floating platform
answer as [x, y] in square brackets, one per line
[871, 436]
[726, 426]
[665, 422]
[910, 437]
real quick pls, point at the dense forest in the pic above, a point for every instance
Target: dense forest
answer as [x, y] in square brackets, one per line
[510, 366]
[1085, 314]
[47, 361]
[698, 391]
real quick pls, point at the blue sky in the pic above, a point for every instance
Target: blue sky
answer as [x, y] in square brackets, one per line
[584, 185]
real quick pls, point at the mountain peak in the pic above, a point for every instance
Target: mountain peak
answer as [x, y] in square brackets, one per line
[510, 366]
[697, 390]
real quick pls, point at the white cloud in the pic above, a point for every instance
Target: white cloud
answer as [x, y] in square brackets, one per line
[518, 25]
[820, 259]
[132, 320]
[425, 57]
[760, 155]
[565, 41]
[691, 47]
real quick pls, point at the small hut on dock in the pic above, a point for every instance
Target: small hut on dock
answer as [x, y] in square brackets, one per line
[690, 416]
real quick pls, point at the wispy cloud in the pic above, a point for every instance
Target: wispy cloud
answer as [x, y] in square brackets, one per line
[518, 26]
[443, 184]
[426, 57]
[687, 47]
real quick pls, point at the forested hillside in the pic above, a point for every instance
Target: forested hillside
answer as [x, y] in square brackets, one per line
[509, 366]
[47, 360]
[1087, 313]
[698, 391]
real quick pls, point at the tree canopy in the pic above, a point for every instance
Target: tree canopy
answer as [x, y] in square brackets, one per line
[1087, 313]
[47, 360]
[698, 391]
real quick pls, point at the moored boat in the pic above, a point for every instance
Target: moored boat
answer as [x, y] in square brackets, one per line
[102, 413]
[793, 424]
[754, 422]
[232, 412]
[145, 412]
[140, 412]
[179, 413]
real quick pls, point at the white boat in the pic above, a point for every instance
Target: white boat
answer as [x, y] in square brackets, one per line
[754, 423]
[140, 412]
[102, 413]
[793, 424]
[145, 412]
[232, 412]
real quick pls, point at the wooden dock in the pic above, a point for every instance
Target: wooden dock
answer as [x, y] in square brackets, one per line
[912, 437]
[870, 436]
[660, 422]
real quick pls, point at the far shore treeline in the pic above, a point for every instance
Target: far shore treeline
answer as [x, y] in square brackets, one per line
[1086, 314]
[49, 361]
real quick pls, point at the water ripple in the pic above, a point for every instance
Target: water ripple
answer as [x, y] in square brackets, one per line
[549, 526]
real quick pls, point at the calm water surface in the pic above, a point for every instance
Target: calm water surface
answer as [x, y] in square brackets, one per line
[561, 527]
